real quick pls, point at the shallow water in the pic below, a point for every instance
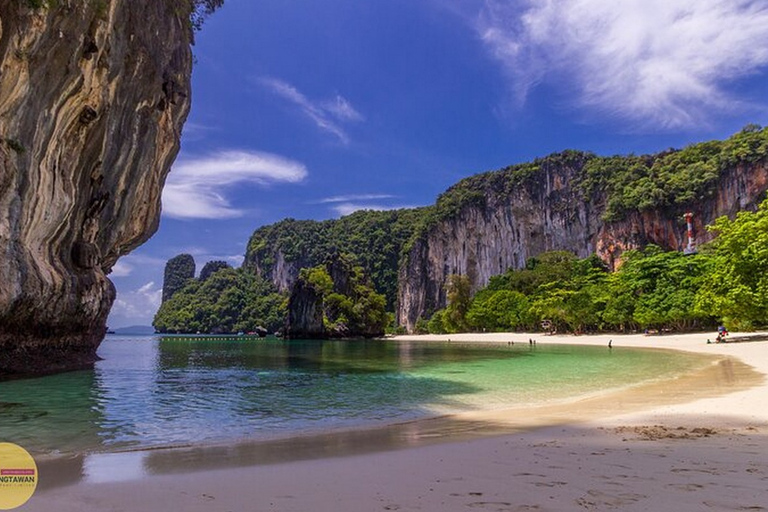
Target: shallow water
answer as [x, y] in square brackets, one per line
[151, 391]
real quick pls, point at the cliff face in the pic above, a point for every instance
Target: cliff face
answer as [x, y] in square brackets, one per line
[305, 312]
[549, 211]
[92, 99]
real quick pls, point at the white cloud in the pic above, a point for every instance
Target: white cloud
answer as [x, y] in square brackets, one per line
[137, 306]
[203, 255]
[121, 269]
[653, 62]
[347, 208]
[195, 131]
[326, 115]
[354, 197]
[196, 187]
[342, 109]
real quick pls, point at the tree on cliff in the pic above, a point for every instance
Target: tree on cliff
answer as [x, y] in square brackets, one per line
[736, 290]
[341, 294]
[178, 271]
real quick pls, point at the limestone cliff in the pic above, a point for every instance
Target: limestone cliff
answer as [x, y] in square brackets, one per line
[93, 95]
[549, 210]
[305, 312]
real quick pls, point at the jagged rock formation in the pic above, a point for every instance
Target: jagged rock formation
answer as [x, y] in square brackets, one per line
[93, 96]
[178, 270]
[549, 211]
[305, 312]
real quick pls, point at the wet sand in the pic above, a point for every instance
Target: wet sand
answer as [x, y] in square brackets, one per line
[699, 441]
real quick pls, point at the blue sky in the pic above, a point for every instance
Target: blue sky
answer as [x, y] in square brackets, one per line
[312, 110]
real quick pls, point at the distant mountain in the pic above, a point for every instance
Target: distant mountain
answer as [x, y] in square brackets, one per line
[135, 329]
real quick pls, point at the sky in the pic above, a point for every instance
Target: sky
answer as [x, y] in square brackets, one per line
[314, 109]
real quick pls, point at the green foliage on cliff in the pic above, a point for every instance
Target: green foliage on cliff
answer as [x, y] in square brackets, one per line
[626, 183]
[229, 300]
[351, 306]
[178, 270]
[374, 238]
[672, 178]
[476, 190]
[653, 289]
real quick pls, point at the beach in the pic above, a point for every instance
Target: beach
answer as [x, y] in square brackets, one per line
[699, 442]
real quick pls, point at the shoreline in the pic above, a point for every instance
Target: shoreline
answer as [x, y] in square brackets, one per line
[733, 416]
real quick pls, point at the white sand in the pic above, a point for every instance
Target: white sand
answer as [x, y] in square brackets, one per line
[708, 453]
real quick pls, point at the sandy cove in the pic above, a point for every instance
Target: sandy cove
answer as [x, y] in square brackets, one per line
[695, 443]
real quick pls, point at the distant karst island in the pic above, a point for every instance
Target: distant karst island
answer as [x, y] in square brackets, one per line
[571, 242]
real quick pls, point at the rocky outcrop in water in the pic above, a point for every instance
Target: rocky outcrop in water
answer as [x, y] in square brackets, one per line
[178, 270]
[335, 300]
[93, 96]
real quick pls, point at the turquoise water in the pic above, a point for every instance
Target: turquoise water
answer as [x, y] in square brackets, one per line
[150, 391]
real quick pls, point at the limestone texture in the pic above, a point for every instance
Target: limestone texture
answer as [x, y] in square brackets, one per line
[549, 212]
[93, 96]
[305, 312]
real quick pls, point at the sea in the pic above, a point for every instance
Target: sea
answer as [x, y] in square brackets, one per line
[151, 391]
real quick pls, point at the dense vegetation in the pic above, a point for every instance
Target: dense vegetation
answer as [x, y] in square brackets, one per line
[350, 304]
[374, 238]
[178, 270]
[736, 288]
[653, 289]
[228, 300]
[672, 178]
[727, 282]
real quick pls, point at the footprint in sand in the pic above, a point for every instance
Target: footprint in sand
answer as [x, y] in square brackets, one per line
[597, 500]
[498, 506]
[689, 470]
[686, 487]
[550, 484]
